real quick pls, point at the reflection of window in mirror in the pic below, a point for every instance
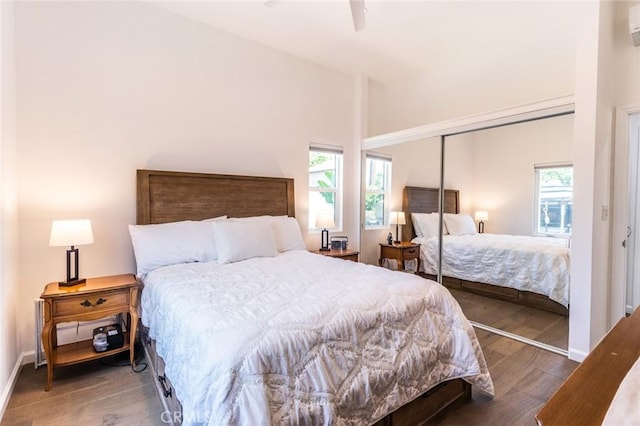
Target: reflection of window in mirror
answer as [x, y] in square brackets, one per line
[378, 190]
[554, 200]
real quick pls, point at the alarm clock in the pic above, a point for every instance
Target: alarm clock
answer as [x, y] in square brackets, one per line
[339, 242]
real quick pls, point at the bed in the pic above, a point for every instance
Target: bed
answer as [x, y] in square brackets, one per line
[295, 337]
[532, 271]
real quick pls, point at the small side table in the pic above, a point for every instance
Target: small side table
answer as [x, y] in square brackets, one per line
[401, 252]
[339, 253]
[95, 299]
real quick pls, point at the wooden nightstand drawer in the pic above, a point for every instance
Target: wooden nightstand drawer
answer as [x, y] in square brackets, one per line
[90, 303]
[410, 253]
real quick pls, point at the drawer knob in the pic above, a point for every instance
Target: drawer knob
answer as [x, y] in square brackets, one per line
[88, 304]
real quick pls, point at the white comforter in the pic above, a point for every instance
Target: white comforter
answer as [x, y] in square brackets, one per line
[536, 264]
[304, 339]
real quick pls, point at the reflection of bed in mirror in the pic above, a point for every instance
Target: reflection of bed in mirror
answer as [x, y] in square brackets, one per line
[288, 338]
[531, 271]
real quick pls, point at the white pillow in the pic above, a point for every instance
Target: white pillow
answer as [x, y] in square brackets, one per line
[237, 241]
[286, 231]
[169, 243]
[428, 223]
[459, 224]
[207, 231]
[416, 224]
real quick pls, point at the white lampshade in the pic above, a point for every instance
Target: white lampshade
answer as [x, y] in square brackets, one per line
[482, 216]
[73, 232]
[324, 219]
[397, 218]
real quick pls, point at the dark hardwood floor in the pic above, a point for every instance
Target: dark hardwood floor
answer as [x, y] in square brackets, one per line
[535, 324]
[97, 394]
[524, 378]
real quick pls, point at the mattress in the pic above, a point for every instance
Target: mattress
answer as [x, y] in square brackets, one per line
[535, 264]
[302, 338]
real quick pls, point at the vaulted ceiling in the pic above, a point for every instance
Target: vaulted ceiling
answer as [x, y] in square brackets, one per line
[402, 39]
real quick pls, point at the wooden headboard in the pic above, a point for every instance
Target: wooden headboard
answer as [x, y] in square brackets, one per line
[416, 199]
[164, 196]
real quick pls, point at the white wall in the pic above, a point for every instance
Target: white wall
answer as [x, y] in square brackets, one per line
[107, 88]
[589, 299]
[627, 57]
[503, 169]
[462, 90]
[626, 99]
[9, 348]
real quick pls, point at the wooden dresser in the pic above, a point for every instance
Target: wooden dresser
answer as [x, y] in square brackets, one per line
[584, 398]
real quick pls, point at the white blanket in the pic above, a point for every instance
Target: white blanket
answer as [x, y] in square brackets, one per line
[304, 339]
[536, 264]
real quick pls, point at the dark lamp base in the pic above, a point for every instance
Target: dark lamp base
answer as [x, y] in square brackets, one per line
[72, 282]
[325, 249]
[397, 242]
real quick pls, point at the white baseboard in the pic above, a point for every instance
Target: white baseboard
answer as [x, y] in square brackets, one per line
[29, 357]
[11, 383]
[576, 355]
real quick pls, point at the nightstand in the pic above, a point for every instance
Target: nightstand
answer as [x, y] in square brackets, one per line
[339, 253]
[95, 299]
[400, 252]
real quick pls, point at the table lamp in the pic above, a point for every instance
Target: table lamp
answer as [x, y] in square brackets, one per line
[397, 218]
[71, 233]
[325, 220]
[481, 217]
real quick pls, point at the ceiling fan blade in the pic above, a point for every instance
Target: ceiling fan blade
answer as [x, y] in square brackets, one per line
[358, 13]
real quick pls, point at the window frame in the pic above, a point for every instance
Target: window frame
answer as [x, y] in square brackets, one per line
[338, 190]
[386, 192]
[536, 207]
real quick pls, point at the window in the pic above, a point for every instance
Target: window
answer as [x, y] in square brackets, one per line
[377, 190]
[325, 184]
[554, 200]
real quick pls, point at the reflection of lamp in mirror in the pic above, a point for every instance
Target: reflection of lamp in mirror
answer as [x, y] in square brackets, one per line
[397, 218]
[481, 218]
[324, 220]
[71, 233]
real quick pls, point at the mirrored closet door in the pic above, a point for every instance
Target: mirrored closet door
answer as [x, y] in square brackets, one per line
[505, 176]
[517, 181]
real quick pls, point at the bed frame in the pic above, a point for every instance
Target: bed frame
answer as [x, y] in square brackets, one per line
[165, 196]
[426, 200]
